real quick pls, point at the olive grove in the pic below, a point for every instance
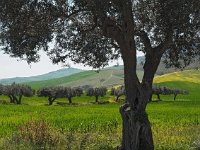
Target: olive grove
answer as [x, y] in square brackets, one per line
[96, 31]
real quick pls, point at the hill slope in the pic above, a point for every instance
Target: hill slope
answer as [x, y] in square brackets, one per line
[51, 75]
[188, 80]
[107, 77]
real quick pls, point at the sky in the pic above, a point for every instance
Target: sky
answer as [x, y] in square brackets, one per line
[13, 67]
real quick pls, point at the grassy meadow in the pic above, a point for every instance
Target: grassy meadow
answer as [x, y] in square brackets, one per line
[88, 126]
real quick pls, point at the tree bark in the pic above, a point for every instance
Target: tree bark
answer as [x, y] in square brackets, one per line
[96, 99]
[19, 101]
[51, 100]
[158, 96]
[70, 100]
[175, 95]
[11, 99]
[117, 98]
[136, 130]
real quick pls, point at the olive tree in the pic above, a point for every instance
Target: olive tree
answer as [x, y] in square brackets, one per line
[72, 92]
[95, 31]
[16, 91]
[96, 92]
[52, 93]
[117, 92]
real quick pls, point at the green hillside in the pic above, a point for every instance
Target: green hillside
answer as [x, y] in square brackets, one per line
[51, 75]
[188, 80]
[107, 77]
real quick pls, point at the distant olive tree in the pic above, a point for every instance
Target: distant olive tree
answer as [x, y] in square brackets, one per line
[179, 91]
[72, 92]
[163, 90]
[51, 92]
[101, 91]
[117, 92]
[16, 91]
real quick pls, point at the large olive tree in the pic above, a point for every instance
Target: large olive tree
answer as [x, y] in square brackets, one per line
[94, 31]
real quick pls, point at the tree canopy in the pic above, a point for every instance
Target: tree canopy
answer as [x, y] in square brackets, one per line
[88, 31]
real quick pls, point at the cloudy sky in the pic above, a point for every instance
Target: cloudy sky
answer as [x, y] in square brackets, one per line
[12, 67]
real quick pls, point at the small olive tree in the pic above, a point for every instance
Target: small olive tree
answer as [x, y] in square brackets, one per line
[117, 92]
[16, 91]
[51, 92]
[101, 91]
[72, 92]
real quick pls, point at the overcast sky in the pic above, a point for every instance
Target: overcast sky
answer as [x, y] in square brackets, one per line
[12, 67]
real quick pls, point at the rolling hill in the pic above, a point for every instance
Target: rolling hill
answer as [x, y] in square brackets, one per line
[51, 75]
[188, 80]
[107, 77]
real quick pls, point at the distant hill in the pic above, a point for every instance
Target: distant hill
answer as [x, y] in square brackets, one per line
[107, 77]
[51, 75]
[188, 80]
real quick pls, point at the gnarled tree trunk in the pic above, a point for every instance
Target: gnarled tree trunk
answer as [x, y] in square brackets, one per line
[136, 130]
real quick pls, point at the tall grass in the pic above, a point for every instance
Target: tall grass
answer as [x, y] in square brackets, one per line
[176, 125]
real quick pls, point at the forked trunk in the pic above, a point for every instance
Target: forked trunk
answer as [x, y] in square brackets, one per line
[136, 130]
[136, 134]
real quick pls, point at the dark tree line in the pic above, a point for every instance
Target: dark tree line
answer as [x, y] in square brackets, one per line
[95, 31]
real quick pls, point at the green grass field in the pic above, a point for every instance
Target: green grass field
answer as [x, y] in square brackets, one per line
[84, 125]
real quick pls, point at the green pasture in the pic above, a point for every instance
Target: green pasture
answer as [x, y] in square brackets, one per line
[85, 125]
[176, 125]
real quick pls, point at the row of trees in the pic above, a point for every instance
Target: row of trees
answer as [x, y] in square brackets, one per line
[156, 90]
[163, 90]
[16, 91]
